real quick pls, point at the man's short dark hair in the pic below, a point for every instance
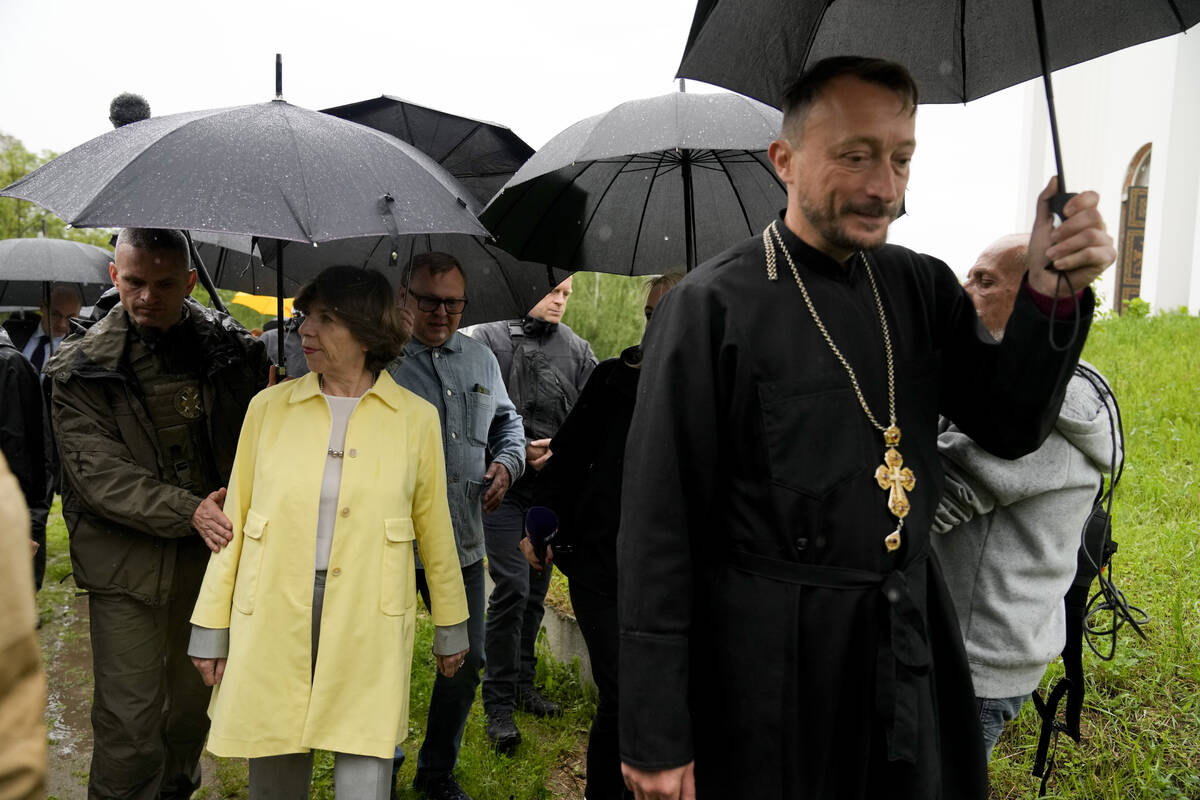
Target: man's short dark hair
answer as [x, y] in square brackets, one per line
[804, 90]
[126, 108]
[159, 240]
[437, 263]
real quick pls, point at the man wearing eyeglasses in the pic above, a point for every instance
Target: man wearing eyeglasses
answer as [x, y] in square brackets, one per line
[462, 379]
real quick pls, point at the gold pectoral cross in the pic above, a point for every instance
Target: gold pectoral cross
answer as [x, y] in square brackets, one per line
[896, 479]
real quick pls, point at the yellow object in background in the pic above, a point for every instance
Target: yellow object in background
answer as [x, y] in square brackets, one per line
[263, 303]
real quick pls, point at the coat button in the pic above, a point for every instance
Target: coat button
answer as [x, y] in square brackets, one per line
[453, 434]
[801, 543]
[335, 571]
[352, 453]
[449, 393]
[346, 511]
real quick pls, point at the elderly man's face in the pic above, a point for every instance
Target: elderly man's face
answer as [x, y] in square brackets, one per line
[152, 284]
[847, 173]
[551, 307]
[993, 283]
[63, 306]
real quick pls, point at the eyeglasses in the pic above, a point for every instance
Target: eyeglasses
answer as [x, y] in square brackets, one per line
[429, 304]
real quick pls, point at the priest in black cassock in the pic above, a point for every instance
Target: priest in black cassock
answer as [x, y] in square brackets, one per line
[785, 630]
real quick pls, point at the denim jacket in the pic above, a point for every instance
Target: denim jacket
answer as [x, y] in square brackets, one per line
[462, 380]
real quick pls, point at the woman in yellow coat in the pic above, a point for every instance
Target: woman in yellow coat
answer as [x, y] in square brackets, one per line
[313, 600]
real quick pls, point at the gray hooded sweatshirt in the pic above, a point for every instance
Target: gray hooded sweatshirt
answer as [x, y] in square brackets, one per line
[1008, 537]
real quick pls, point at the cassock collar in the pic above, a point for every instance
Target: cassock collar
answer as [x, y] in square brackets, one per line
[809, 257]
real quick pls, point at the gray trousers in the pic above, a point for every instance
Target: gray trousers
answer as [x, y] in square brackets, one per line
[288, 777]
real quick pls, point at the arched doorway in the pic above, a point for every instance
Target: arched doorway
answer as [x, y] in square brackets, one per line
[1133, 229]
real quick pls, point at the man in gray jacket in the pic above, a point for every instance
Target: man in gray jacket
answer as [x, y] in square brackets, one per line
[545, 365]
[1010, 530]
[461, 378]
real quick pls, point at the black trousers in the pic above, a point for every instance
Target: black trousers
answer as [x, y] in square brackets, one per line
[596, 613]
[149, 706]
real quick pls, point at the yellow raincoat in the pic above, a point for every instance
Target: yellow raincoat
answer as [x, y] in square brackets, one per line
[260, 586]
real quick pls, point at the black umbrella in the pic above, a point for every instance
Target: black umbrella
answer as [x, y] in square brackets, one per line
[270, 170]
[957, 51]
[28, 266]
[481, 155]
[650, 186]
[498, 285]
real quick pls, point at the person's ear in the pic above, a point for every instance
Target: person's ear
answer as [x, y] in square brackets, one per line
[112, 272]
[191, 280]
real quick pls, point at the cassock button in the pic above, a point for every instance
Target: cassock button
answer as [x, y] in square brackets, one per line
[335, 571]
[802, 543]
[352, 453]
[346, 511]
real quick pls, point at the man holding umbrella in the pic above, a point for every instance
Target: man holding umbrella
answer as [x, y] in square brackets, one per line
[147, 407]
[784, 632]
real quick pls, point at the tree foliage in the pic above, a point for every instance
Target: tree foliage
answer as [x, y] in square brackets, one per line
[20, 218]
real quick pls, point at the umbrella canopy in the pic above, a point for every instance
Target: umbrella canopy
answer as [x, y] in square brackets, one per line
[481, 155]
[649, 186]
[498, 285]
[27, 265]
[957, 51]
[270, 169]
[262, 303]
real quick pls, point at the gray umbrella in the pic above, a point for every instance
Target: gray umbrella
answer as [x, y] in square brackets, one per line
[28, 267]
[650, 186]
[270, 169]
[498, 285]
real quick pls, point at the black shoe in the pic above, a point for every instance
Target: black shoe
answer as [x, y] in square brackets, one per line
[439, 786]
[502, 731]
[530, 700]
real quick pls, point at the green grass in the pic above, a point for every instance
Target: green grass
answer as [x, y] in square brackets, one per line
[607, 310]
[1141, 719]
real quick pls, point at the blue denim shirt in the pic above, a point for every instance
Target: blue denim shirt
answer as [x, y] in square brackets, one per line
[462, 379]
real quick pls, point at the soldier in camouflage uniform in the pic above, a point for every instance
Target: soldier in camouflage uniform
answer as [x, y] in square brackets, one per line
[147, 406]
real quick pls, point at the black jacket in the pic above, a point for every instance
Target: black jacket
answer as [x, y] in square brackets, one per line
[582, 480]
[23, 440]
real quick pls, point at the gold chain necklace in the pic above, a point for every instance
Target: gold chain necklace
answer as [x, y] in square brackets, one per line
[892, 476]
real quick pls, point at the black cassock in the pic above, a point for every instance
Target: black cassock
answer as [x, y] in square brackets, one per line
[766, 631]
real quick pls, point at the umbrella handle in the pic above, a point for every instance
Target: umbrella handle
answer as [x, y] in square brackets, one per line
[1059, 202]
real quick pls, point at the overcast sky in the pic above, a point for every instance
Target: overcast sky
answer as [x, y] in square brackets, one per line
[534, 65]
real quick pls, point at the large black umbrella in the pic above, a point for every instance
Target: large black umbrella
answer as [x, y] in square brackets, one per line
[498, 285]
[650, 186]
[957, 51]
[270, 170]
[29, 266]
[481, 155]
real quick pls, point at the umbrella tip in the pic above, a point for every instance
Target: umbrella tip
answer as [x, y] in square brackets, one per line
[682, 85]
[278, 76]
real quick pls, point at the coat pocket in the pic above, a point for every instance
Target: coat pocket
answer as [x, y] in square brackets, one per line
[479, 417]
[250, 565]
[814, 439]
[398, 593]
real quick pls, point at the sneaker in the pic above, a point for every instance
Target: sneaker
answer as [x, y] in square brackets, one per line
[531, 700]
[502, 732]
[439, 786]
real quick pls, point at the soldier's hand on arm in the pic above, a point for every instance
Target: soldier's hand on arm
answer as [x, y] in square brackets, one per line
[1080, 247]
[211, 523]
[667, 784]
[211, 669]
[536, 453]
[500, 481]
